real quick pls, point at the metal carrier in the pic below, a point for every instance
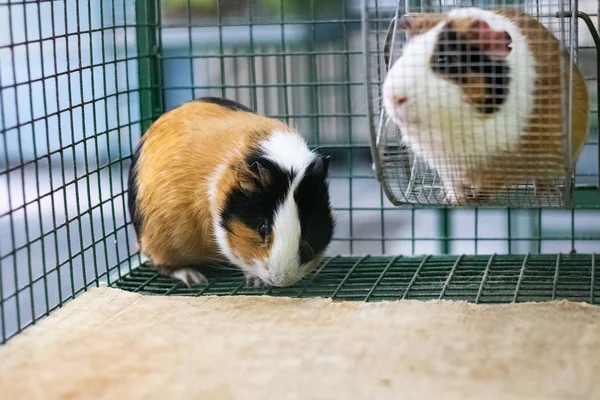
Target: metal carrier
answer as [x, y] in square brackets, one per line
[461, 145]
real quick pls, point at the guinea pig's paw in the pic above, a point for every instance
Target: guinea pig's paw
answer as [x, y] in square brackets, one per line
[189, 276]
[255, 282]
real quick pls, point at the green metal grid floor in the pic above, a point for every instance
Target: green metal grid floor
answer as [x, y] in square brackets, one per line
[479, 279]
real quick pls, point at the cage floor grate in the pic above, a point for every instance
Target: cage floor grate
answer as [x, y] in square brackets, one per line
[479, 279]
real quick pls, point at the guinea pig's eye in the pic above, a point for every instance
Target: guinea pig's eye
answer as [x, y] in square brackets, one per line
[306, 253]
[446, 59]
[263, 230]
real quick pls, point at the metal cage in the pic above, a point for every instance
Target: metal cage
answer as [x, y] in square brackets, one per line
[454, 155]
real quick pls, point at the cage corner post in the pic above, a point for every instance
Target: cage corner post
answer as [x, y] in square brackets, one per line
[149, 64]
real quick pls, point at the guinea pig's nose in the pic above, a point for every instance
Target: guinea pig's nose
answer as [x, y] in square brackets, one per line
[399, 100]
[400, 109]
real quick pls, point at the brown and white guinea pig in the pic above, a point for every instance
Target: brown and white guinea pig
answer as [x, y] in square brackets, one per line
[477, 95]
[211, 180]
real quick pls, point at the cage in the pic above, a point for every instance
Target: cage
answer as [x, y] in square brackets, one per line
[458, 139]
[81, 81]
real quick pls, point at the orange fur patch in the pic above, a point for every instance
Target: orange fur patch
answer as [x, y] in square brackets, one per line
[422, 22]
[463, 26]
[474, 89]
[247, 244]
[479, 34]
[546, 121]
[540, 155]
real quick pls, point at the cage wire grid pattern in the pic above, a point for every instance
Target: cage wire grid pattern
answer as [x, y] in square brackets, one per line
[80, 80]
[478, 279]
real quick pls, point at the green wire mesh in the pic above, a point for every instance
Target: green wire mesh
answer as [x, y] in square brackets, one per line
[68, 83]
[478, 279]
[81, 80]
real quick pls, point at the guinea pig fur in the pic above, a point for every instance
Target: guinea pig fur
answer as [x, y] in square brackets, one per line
[213, 181]
[477, 95]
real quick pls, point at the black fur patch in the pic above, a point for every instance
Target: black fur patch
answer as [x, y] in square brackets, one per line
[254, 208]
[312, 200]
[456, 58]
[230, 104]
[133, 190]
[316, 221]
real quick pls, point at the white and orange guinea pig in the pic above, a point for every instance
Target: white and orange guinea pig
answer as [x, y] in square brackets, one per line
[213, 181]
[477, 95]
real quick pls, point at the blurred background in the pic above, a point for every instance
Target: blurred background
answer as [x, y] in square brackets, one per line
[81, 79]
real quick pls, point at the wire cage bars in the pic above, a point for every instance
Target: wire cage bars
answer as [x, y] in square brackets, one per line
[81, 80]
[482, 104]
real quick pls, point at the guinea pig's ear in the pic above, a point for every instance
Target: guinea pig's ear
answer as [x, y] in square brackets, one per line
[412, 24]
[417, 23]
[497, 43]
[260, 172]
[319, 167]
[405, 22]
[252, 174]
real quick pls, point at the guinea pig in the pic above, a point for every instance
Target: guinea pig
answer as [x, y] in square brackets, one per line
[213, 181]
[477, 95]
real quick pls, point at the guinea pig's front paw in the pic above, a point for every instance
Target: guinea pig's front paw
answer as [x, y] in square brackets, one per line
[254, 282]
[189, 276]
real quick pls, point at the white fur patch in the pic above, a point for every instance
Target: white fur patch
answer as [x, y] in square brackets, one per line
[284, 260]
[189, 276]
[288, 150]
[219, 233]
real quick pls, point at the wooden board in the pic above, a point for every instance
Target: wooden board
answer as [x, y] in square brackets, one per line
[112, 344]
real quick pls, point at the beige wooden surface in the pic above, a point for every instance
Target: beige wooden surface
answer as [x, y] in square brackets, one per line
[112, 344]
